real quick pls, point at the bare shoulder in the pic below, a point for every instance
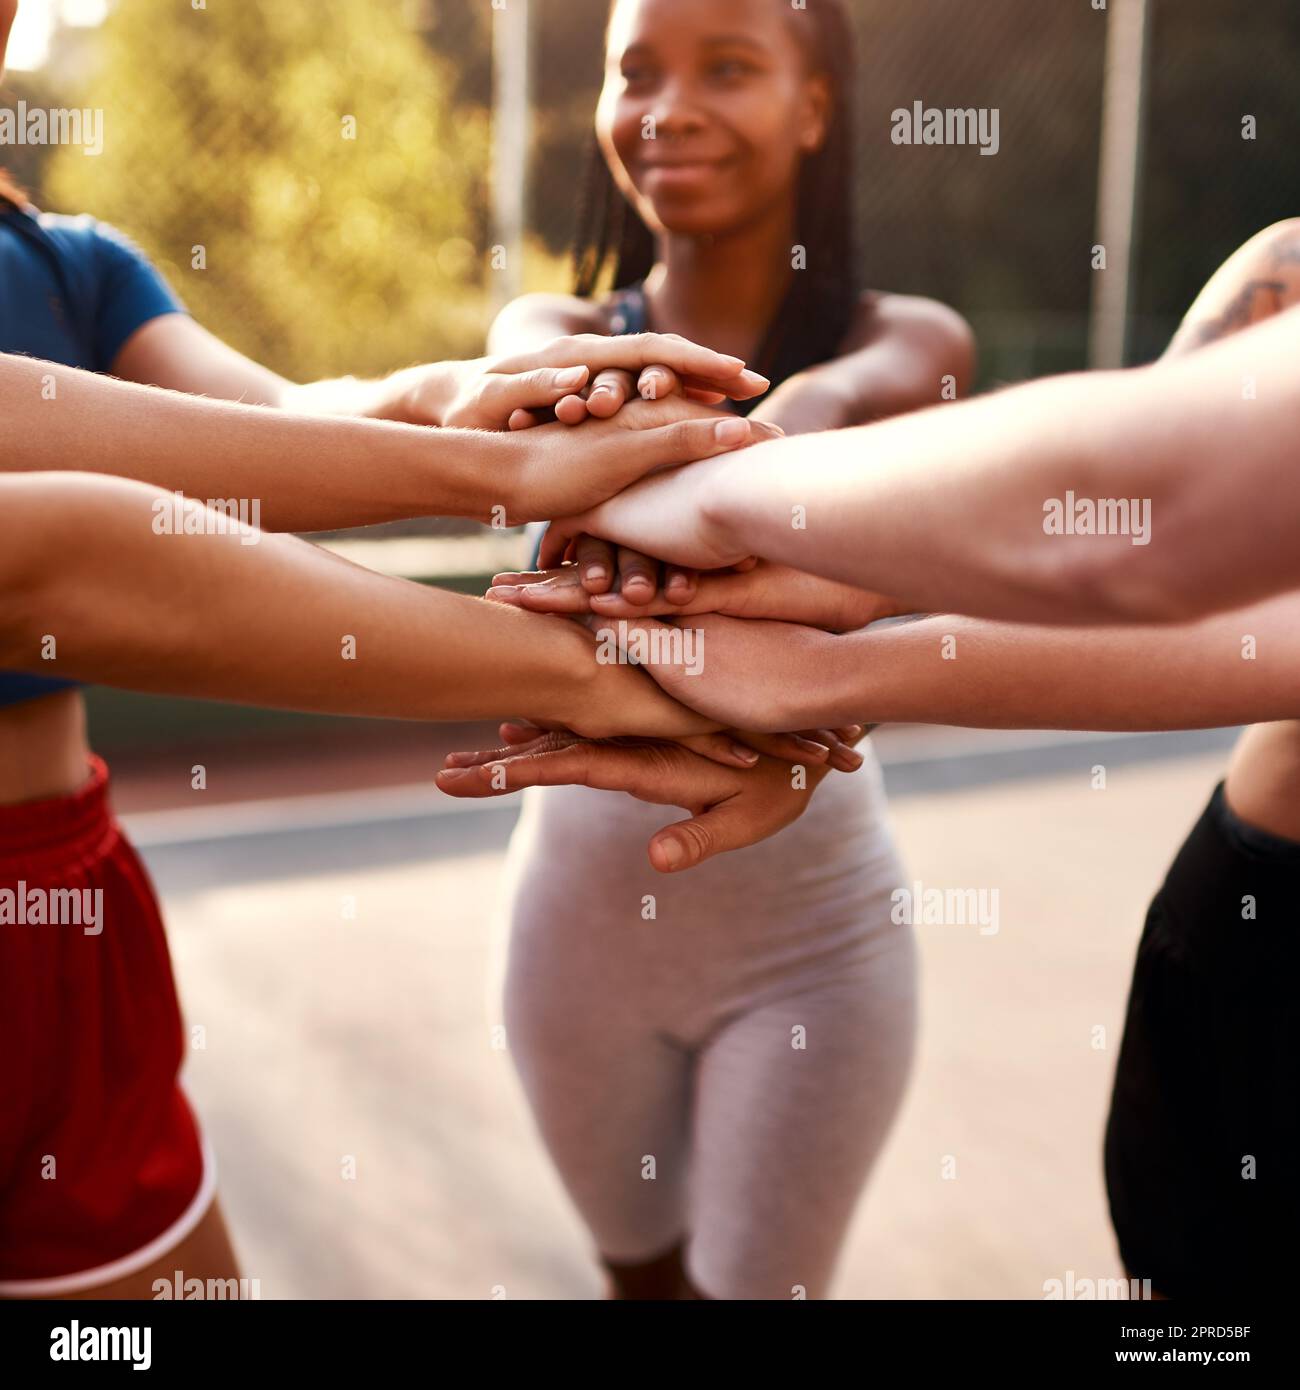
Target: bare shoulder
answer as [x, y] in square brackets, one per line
[924, 324]
[533, 319]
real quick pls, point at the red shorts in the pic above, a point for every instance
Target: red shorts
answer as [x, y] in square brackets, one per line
[102, 1169]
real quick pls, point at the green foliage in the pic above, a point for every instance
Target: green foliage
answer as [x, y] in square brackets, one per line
[231, 128]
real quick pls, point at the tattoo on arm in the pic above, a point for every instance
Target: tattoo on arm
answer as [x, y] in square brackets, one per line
[1240, 313]
[1245, 308]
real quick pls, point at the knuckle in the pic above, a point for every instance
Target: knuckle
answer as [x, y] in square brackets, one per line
[700, 835]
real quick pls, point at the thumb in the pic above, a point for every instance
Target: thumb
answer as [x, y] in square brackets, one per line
[503, 394]
[686, 441]
[726, 826]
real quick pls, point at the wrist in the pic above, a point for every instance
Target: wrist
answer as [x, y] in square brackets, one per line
[415, 395]
[730, 487]
[476, 475]
[847, 681]
[563, 685]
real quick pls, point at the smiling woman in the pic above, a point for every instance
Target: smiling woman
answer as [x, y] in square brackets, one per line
[731, 1040]
[709, 116]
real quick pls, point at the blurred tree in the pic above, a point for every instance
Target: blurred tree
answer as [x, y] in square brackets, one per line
[311, 148]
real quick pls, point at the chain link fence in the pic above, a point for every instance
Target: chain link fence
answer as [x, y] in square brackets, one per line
[1009, 239]
[312, 175]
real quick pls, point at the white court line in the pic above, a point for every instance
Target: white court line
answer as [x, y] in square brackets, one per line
[235, 820]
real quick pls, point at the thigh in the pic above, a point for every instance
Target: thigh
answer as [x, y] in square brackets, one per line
[205, 1255]
[607, 1083]
[794, 1100]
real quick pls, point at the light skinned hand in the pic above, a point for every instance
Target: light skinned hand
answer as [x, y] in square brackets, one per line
[609, 390]
[752, 673]
[488, 392]
[552, 470]
[665, 514]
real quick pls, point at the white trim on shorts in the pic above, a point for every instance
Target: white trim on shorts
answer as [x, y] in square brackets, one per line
[138, 1259]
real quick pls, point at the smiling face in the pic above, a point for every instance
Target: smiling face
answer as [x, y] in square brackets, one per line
[8, 8]
[725, 87]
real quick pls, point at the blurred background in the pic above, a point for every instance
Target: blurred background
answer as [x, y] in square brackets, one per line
[329, 1033]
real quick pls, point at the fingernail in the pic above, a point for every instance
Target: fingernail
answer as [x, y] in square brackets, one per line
[736, 362]
[673, 853]
[595, 572]
[816, 750]
[731, 431]
[570, 377]
[457, 760]
[651, 385]
[854, 731]
[746, 755]
[505, 590]
[454, 774]
[756, 379]
[601, 390]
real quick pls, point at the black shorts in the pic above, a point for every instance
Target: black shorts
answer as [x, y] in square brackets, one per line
[1203, 1141]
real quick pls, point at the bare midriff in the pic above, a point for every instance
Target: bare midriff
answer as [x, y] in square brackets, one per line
[43, 749]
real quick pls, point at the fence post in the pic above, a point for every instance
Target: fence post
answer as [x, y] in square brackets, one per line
[1123, 122]
[510, 143]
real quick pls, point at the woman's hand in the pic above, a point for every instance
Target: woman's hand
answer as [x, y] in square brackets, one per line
[611, 389]
[668, 514]
[746, 673]
[640, 584]
[730, 807]
[553, 470]
[569, 379]
[759, 590]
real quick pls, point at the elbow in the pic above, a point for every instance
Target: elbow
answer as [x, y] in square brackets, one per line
[960, 351]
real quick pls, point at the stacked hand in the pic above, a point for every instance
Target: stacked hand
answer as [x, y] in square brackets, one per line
[569, 380]
[627, 393]
[731, 807]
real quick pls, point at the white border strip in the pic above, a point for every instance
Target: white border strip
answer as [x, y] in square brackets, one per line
[138, 1259]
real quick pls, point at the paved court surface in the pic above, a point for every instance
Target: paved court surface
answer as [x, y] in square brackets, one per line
[339, 974]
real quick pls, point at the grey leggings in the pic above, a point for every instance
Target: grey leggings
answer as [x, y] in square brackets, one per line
[725, 1072]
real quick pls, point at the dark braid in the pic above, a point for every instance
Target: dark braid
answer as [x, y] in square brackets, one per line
[816, 314]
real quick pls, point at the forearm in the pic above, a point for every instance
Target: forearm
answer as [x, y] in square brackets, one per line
[1236, 668]
[308, 473]
[947, 508]
[809, 403]
[276, 622]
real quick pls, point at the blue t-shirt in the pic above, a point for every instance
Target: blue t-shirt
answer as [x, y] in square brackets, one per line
[72, 290]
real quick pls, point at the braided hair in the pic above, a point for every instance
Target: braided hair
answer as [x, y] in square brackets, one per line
[814, 317]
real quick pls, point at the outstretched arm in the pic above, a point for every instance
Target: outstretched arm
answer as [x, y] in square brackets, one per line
[230, 613]
[950, 508]
[1235, 668]
[311, 473]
